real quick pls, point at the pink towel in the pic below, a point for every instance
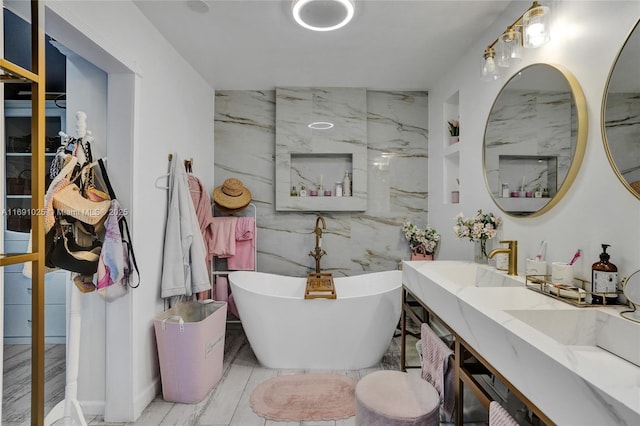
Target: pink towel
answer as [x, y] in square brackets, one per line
[222, 289]
[243, 260]
[498, 416]
[437, 370]
[201, 202]
[224, 236]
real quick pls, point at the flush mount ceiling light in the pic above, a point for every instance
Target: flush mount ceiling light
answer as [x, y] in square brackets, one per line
[323, 15]
[530, 30]
[320, 125]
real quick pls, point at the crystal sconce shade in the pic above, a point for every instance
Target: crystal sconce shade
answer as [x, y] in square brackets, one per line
[530, 30]
[490, 70]
[509, 48]
[535, 27]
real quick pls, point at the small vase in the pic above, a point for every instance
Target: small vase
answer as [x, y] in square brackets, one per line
[420, 256]
[453, 139]
[481, 251]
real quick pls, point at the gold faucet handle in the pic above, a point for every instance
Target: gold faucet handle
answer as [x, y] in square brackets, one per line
[510, 242]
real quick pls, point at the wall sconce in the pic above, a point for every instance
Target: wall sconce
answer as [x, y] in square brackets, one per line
[530, 30]
[489, 68]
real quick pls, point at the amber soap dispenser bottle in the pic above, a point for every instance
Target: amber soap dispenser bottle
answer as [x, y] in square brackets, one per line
[604, 278]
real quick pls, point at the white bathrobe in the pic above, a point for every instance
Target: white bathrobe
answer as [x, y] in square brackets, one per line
[184, 267]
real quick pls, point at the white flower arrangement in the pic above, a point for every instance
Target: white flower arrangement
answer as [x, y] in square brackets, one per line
[422, 241]
[481, 227]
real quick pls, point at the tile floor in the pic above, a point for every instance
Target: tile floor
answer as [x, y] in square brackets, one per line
[227, 404]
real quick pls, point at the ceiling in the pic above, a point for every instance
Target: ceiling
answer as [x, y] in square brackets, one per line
[256, 44]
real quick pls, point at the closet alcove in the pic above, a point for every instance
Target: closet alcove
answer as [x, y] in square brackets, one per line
[16, 224]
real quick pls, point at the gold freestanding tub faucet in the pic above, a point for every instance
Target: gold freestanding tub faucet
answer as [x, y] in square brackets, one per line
[512, 251]
[317, 253]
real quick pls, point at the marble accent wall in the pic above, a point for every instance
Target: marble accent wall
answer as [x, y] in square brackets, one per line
[317, 158]
[530, 123]
[623, 127]
[355, 242]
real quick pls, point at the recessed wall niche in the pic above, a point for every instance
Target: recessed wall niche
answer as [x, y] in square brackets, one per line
[321, 133]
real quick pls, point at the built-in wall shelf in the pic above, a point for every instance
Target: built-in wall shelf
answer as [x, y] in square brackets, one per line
[17, 158]
[516, 205]
[529, 172]
[452, 149]
[320, 172]
[321, 133]
[451, 158]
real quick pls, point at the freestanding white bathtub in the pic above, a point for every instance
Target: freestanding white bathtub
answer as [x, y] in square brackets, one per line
[286, 330]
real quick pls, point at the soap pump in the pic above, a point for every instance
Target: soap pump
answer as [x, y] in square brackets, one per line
[604, 279]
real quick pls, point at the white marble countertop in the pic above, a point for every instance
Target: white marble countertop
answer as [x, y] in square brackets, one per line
[571, 379]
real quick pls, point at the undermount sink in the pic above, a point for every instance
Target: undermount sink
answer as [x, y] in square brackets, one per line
[586, 327]
[467, 274]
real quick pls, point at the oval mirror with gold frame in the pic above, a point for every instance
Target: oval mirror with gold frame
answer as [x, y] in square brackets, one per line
[621, 113]
[535, 139]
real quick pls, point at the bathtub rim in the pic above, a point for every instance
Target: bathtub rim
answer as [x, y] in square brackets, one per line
[337, 282]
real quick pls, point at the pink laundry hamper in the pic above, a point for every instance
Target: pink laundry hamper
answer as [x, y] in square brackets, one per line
[190, 338]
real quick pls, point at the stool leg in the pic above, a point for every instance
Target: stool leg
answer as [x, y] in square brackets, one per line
[403, 334]
[459, 386]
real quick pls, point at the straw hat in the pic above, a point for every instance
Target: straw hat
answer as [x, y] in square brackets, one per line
[232, 195]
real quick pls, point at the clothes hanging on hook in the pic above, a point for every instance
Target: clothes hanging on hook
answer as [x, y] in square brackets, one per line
[202, 205]
[184, 266]
[188, 167]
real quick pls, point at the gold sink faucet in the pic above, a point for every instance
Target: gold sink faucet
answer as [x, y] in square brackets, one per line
[317, 253]
[512, 251]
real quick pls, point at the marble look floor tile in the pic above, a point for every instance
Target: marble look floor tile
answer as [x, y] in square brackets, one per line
[226, 405]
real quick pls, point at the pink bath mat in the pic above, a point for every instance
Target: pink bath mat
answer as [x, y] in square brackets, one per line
[305, 397]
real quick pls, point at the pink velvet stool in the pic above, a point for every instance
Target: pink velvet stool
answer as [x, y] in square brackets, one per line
[394, 398]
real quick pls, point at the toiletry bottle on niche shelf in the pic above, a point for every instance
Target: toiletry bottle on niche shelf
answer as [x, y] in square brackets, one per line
[604, 278]
[346, 184]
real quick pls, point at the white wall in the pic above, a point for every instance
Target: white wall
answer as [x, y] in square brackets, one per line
[172, 112]
[586, 37]
[87, 92]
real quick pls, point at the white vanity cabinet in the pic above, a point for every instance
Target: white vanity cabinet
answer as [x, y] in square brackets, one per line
[17, 298]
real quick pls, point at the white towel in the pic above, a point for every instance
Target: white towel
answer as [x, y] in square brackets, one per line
[184, 265]
[437, 370]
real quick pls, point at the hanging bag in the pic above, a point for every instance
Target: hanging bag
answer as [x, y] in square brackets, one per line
[67, 254]
[70, 202]
[117, 259]
[81, 199]
[90, 189]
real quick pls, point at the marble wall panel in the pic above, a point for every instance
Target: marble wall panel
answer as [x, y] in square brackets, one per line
[324, 149]
[530, 123]
[623, 131]
[355, 242]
